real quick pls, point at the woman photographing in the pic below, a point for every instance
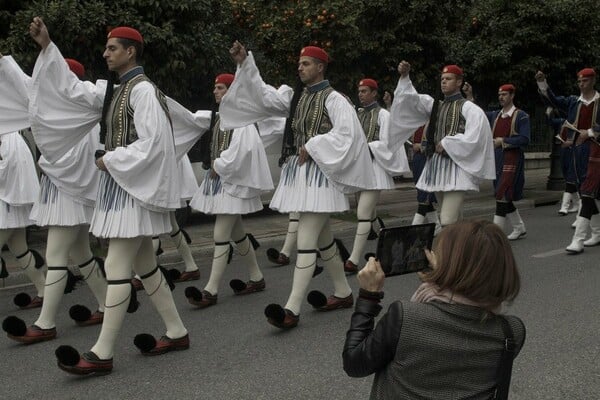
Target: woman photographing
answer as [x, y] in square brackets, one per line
[448, 342]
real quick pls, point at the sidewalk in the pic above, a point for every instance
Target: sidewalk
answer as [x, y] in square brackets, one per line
[395, 207]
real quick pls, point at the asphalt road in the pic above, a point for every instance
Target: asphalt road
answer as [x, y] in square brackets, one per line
[235, 354]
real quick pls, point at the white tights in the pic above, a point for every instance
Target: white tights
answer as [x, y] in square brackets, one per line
[365, 213]
[181, 244]
[291, 238]
[314, 233]
[229, 228]
[16, 240]
[450, 206]
[123, 254]
[64, 242]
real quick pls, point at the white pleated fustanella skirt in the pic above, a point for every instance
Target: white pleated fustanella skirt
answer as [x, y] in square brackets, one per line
[441, 174]
[13, 217]
[383, 181]
[57, 208]
[211, 198]
[119, 215]
[304, 188]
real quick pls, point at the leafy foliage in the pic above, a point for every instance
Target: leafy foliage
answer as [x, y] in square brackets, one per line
[187, 41]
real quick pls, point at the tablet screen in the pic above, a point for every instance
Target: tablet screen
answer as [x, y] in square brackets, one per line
[400, 250]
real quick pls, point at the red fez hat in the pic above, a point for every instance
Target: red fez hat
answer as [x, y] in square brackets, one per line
[586, 73]
[125, 32]
[507, 87]
[225, 79]
[76, 67]
[452, 69]
[372, 83]
[315, 52]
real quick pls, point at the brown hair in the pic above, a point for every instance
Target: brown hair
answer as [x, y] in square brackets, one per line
[474, 259]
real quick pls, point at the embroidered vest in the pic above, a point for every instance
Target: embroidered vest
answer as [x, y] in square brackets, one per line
[120, 126]
[311, 117]
[368, 118]
[220, 140]
[450, 120]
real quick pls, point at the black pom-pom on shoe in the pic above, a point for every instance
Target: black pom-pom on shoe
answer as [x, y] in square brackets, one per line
[144, 342]
[14, 326]
[194, 293]
[275, 312]
[22, 300]
[67, 355]
[316, 299]
[272, 254]
[237, 285]
[80, 313]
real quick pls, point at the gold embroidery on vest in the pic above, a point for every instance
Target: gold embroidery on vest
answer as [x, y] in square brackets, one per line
[311, 117]
[369, 121]
[220, 140]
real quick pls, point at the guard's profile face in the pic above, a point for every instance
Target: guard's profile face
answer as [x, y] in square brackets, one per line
[219, 91]
[116, 55]
[309, 70]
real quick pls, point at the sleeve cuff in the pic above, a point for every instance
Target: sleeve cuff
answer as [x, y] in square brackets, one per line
[368, 295]
[543, 85]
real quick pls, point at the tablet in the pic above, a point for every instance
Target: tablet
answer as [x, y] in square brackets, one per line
[400, 250]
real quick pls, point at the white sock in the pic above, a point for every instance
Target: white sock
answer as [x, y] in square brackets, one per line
[305, 266]
[117, 301]
[246, 251]
[56, 280]
[35, 275]
[219, 264]
[184, 251]
[365, 212]
[292, 235]
[95, 280]
[360, 239]
[119, 261]
[160, 294]
[335, 268]
[181, 244]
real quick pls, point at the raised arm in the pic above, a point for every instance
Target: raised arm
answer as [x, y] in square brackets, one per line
[560, 102]
[409, 110]
[249, 99]
[60, 105]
